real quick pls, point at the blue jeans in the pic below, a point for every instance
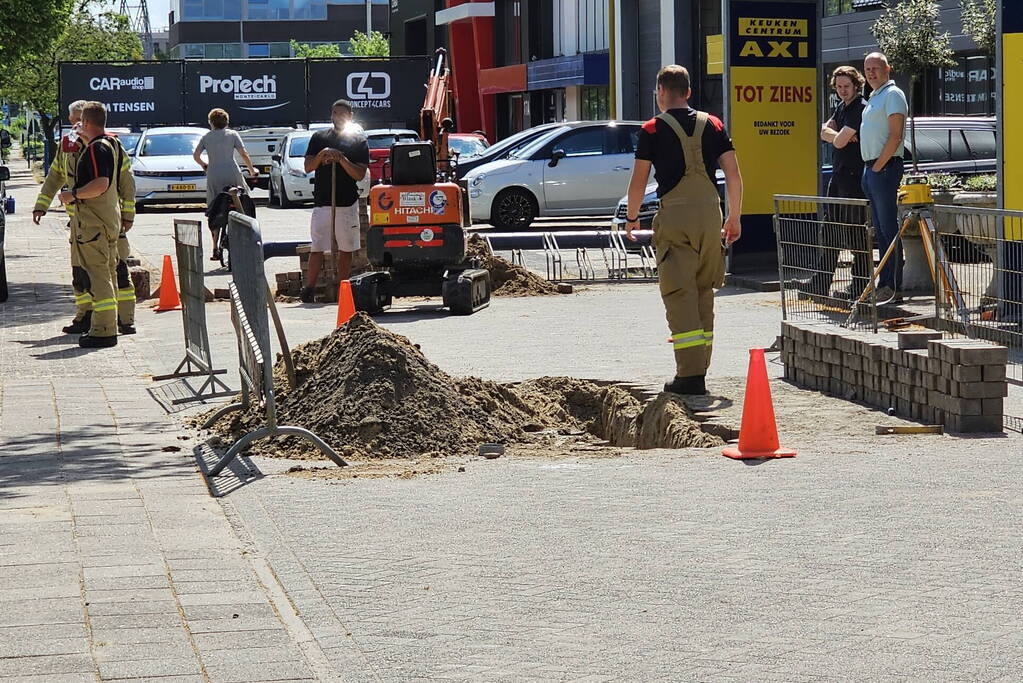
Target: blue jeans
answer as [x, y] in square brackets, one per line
[882, 189]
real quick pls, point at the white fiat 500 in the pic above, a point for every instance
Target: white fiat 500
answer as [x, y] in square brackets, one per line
[571, 170]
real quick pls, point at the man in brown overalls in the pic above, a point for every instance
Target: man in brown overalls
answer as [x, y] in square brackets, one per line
[685, 148]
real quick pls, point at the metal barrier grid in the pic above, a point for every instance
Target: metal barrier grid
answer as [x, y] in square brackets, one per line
[249, 316]
[198, 360]
[825, 259]
[611, 258]
[982, 252]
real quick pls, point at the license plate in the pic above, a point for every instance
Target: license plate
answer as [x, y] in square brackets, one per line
[265, 169]
[182, 187]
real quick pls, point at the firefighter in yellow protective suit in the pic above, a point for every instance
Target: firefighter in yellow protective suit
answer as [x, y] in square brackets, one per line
[62, 174]
[686, 147]
[101, 176]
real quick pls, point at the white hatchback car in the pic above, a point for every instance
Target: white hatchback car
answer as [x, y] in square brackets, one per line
[289, 183]
[164, 170]
[572, 170]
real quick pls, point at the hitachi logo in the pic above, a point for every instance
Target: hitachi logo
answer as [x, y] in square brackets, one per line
[262, 88]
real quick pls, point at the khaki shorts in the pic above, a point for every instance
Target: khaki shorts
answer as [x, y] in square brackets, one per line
[346, 228]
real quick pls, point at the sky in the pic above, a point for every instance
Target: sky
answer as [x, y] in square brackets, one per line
[158, 10]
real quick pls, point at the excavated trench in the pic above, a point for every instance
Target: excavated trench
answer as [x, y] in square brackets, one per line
[372, 394]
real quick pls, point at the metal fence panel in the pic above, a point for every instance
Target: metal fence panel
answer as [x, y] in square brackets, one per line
[198, 361]
[249, 315]
[248, 274]
[825, 259]
[982, 251]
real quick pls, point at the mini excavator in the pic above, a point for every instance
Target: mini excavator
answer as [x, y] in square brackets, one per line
[418, 215]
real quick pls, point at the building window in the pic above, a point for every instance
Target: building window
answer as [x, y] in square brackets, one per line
[833, 8]
[210, 10]
[280, 49]
[594, 103]
[259, 50]
[195, 51]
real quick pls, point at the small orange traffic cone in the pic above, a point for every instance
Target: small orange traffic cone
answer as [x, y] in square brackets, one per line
[345, 303]
[169, 299]
[758, 434]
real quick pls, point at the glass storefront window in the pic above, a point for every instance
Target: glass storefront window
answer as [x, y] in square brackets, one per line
[280, 49]
[195, 51]
[595, 103]
[259, 50]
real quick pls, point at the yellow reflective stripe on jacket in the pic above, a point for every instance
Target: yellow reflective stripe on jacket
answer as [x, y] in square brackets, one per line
[81, 299]
[126, 294]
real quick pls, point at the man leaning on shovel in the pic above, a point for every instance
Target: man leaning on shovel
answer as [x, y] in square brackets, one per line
[340, 156]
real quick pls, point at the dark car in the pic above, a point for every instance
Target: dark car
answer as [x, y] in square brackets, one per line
[501, 150]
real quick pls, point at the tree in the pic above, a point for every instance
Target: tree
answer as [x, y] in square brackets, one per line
[373, 45]
[324, 50]
[979, 23]
[33, 78]
[907, 33]
[30, 25]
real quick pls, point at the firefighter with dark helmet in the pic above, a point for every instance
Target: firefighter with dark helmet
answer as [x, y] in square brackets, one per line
[685, 147]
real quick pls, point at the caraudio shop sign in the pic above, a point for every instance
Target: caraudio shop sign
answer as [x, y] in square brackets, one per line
[141, 93]
[254, 92]
[382, 91]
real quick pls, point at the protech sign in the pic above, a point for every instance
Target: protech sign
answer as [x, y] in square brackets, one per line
[260, 92]
[255, 92]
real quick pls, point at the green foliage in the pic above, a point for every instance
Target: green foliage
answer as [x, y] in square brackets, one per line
[33, 79]
[373, 45]
[979, 23]
[944, 181]
[907, 33]
[305, 50]
[28, 26]
[987, 182]
[18, 125]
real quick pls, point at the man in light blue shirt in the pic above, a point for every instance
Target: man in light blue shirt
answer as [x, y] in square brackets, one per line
[882, 136]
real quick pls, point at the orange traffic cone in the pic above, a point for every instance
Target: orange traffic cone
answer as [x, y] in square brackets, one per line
[169, 299]
[345, 303]
[758, 434]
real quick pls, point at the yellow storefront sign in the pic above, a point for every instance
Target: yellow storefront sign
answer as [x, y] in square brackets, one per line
[1012, 110]
[774, 128]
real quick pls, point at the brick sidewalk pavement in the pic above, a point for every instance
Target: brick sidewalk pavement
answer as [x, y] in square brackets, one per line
[114, 560]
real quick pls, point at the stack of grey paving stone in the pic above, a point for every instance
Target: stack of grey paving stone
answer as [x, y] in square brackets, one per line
[958, 383]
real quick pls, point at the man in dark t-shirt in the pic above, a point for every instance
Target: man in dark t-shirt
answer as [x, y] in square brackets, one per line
[844, 231]
[661, 147]
[339, 155]
[685, 148]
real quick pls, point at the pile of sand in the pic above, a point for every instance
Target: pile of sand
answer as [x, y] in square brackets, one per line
[371, 393]
[506, 278]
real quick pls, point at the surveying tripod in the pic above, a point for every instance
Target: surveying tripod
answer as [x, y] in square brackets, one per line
[916, 195]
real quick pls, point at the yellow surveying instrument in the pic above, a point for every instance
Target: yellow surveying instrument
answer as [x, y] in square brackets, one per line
[915, 197]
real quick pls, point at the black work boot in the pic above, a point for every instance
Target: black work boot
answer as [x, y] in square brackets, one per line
[89, 342]
[126, 328]
[79, 326]
[687, 386]
[307, 295]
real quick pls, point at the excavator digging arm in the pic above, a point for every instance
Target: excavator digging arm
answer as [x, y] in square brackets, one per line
[434, 118]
